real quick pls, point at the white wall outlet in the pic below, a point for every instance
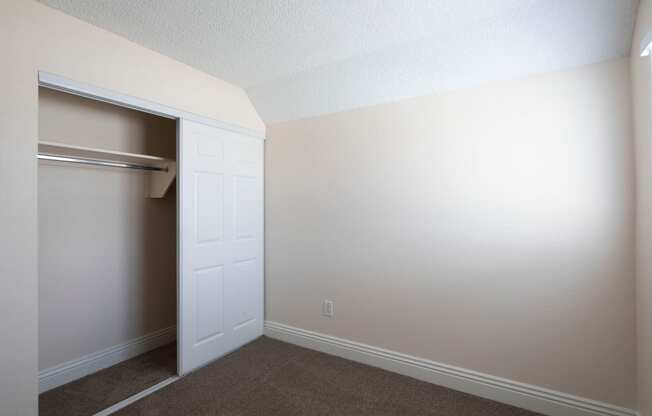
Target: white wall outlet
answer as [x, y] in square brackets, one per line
[327, 308]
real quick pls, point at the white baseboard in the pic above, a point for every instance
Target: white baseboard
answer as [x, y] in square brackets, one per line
[525, 396]
[88, 364]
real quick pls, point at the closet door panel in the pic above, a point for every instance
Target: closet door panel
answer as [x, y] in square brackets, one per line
[245, 296]
[221, 273]
[203, 257]
[244, 290]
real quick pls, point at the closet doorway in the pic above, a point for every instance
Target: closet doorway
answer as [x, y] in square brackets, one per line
[150, 245]
[107, 253]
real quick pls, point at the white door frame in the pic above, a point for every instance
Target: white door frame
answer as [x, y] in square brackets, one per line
[59, 83]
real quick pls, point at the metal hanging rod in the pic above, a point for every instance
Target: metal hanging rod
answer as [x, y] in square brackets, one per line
[99, 162]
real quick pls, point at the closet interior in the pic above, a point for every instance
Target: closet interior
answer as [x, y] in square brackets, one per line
[107, 223]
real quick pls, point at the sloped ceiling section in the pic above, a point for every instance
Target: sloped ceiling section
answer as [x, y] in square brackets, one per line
[301, 58]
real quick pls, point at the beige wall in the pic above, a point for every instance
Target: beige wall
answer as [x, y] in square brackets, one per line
[489, 228]
[107, 254]
[33, 37]
[642, 99]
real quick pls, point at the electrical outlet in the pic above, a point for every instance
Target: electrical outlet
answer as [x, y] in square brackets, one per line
[327, 308]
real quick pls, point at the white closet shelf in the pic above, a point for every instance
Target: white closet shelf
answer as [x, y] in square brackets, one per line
[160, 180]
[95, 153]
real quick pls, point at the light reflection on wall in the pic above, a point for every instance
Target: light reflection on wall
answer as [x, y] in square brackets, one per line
[490, 228]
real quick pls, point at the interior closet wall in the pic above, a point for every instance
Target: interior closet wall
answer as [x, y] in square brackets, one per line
[107, 254]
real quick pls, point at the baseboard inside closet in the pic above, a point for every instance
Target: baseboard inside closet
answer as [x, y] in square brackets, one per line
[98, 391]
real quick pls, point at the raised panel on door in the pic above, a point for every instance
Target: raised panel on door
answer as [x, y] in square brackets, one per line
[221, 273]
[209, 284]
[209, 207]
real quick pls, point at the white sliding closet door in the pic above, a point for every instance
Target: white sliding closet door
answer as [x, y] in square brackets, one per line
[221, 242]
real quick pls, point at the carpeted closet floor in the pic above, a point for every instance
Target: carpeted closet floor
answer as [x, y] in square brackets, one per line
[89, 395]
[272, 378]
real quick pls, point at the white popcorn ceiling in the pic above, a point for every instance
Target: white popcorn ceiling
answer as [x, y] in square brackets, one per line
[301, 58]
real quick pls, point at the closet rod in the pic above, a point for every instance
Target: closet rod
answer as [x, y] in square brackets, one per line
[98, 162]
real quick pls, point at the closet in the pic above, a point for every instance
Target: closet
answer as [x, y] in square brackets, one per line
[150, 245]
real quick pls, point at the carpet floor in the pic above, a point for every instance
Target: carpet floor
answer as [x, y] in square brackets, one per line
[272, 378]
[89, 395]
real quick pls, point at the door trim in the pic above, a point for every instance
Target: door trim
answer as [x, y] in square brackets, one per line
[59, 83]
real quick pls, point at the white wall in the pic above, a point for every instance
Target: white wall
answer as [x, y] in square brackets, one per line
[107, 253]
[642, 98]
[489, 228]
[34, 37]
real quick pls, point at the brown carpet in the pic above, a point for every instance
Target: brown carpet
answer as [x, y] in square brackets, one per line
[89, 395]
[272, 378]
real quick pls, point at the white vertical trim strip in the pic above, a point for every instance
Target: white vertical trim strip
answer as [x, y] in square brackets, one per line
[526, 396]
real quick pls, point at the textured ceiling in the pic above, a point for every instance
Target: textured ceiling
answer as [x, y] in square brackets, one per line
[300, 58]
